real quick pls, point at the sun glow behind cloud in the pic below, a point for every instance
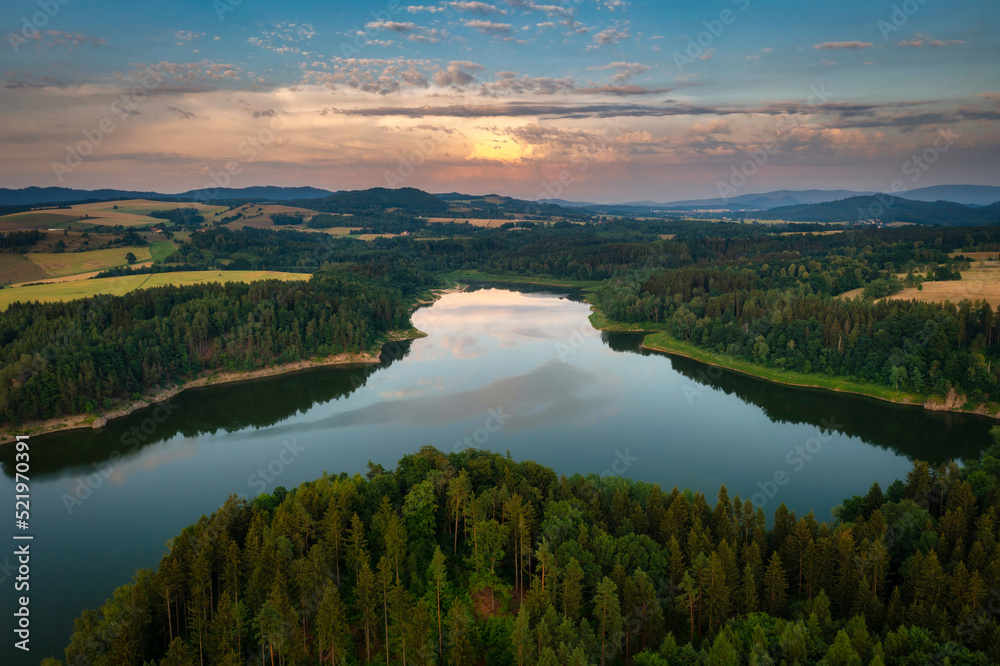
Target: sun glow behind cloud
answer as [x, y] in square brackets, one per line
[452, 102]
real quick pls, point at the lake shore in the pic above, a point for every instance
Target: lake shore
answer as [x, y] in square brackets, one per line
[77, 421]
[213, 378]
[662, 342]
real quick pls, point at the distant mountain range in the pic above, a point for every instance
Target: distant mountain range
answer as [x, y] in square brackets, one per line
[50, 195]
[968, 195]
[945, 204]
[454, 205]
[886, 209]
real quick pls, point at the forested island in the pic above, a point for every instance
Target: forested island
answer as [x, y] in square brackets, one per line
[474, 558]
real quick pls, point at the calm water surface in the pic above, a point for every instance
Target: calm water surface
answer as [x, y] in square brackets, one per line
[569, 398]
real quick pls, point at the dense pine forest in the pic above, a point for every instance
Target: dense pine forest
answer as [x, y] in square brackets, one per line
[764, 295]
[473, 558]
[783, 309]
[69, 358]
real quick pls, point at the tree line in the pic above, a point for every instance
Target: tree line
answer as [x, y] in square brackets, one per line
[474, 558]
[787, 309]
[59, 359]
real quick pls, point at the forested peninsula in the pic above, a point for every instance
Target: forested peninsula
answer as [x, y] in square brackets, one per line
[474, 558]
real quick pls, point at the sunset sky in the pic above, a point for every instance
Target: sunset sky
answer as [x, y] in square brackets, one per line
[631, 100]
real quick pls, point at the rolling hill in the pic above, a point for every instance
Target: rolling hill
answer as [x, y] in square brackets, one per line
[52, 195]
[887, 209]
[969, 195]
[377, 200]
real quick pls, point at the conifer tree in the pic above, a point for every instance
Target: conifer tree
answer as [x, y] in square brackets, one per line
[609, 619]
[775, 586]
[331, 619]
[439, 576]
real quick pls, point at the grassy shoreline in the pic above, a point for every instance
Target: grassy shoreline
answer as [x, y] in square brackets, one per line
[663, 342]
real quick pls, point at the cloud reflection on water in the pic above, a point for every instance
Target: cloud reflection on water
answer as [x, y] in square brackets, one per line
[553, 392]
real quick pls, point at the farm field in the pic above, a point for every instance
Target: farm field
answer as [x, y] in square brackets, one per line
[976, 256]
[18, 268]
[35, 220]
[61, 264]
[334, 231]
[979, 283]
[258, 216]
[492, 224]
[132, 212]
[160, 249]
[67, 291]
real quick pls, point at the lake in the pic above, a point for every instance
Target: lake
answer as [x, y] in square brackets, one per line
[516, 370]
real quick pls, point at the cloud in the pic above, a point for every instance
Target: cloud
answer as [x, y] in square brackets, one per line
[553, 111]
[480, 8]
[512, 83]
[625, 70]
[191, 75]
[181, 113]
[70, 40]
[711, 127]
[378, 76]
[488, 27]
[27, 81]
[285, 37]
[918, 40]
[624, 90]
[608, 37]
[459, 73]
[186, 37]
[846, 46]
[261, 113]
[393, 26]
